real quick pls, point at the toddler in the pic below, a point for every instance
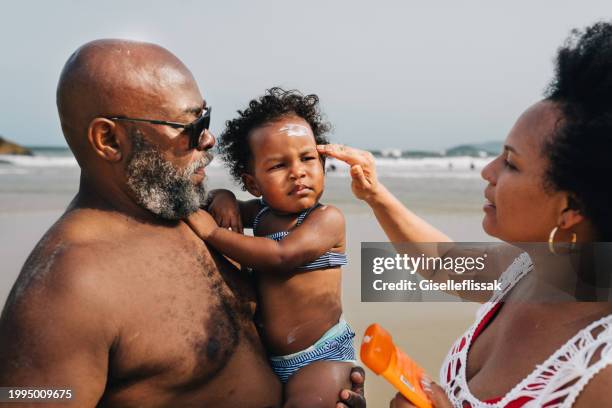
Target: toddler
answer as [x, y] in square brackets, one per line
[298, 246]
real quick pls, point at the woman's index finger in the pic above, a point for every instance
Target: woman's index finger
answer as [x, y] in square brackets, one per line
[346, 154]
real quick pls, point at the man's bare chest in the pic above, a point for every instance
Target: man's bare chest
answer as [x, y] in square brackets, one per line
[184, 313]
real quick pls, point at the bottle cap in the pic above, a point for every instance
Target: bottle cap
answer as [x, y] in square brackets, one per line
[377, 348]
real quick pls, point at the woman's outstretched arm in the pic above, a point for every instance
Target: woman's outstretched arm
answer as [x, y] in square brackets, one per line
[399, 223]
[403, 226]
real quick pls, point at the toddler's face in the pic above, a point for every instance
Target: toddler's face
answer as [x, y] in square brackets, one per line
[287, 170]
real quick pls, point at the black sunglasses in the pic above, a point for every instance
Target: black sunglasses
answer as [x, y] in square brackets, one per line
[195, 130]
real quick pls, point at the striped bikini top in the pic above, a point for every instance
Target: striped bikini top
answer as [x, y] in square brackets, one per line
[327, 260]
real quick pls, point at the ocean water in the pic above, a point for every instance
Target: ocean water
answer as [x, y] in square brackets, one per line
[49, 179]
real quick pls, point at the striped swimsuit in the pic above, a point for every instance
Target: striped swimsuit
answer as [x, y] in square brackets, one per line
[337, 343]
[327, 260]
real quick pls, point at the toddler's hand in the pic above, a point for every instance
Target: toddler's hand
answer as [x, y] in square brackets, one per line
[363, 168]
[201, 223]
[225, 210]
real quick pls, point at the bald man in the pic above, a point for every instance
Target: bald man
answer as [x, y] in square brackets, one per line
[120, 302]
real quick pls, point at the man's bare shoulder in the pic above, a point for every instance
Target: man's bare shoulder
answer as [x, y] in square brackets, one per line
[59, 271]
[70, 261]
[95, 227]
[58, 317]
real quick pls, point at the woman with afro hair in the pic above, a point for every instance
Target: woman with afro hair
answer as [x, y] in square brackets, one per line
[550, 185]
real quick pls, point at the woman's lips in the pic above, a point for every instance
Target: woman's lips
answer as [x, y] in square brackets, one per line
[488, 206]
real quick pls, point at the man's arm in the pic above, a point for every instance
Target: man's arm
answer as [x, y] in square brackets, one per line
[53, 332]
[355, 397]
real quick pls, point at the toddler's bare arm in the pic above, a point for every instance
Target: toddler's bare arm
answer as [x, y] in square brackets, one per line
[320, 232]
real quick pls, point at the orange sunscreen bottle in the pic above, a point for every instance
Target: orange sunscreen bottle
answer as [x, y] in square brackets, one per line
[382, 356]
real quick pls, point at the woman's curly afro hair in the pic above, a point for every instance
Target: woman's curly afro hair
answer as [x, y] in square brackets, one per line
[580, 150]
[275, 104]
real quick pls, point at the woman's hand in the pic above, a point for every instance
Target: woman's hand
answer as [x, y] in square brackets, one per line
[225, 210]
[202, 224]
[363, 168]
[436, 395]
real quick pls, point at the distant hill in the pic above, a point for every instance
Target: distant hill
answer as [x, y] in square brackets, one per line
[420, 154]
[8, 147]
[466, 150]
[475, 150]
[472, 150]
[493, 148]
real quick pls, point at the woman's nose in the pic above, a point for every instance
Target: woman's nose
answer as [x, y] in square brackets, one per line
[207, 141]
[488, 172]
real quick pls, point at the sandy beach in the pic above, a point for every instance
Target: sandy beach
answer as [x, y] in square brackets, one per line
[33, 200]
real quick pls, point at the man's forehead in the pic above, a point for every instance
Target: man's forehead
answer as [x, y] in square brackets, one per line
[197, 108]
[178, 99]
[180, 109]
[155, 68]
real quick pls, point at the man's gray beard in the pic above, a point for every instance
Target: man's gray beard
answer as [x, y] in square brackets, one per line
[160, 187]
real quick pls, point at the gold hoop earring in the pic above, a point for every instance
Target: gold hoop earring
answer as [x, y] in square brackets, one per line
[551, 240]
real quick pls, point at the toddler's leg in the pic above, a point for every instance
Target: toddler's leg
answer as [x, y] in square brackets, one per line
[317, 385]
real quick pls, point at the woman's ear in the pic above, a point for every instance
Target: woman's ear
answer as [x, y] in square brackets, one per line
[571, 215]
[251, 184]
[104, 140]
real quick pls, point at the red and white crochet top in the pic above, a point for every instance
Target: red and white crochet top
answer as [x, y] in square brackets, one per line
[555, 383]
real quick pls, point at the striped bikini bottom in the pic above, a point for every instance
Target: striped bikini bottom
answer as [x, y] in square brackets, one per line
[335, 345]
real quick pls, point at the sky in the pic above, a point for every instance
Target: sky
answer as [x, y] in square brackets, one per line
[413, 75]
